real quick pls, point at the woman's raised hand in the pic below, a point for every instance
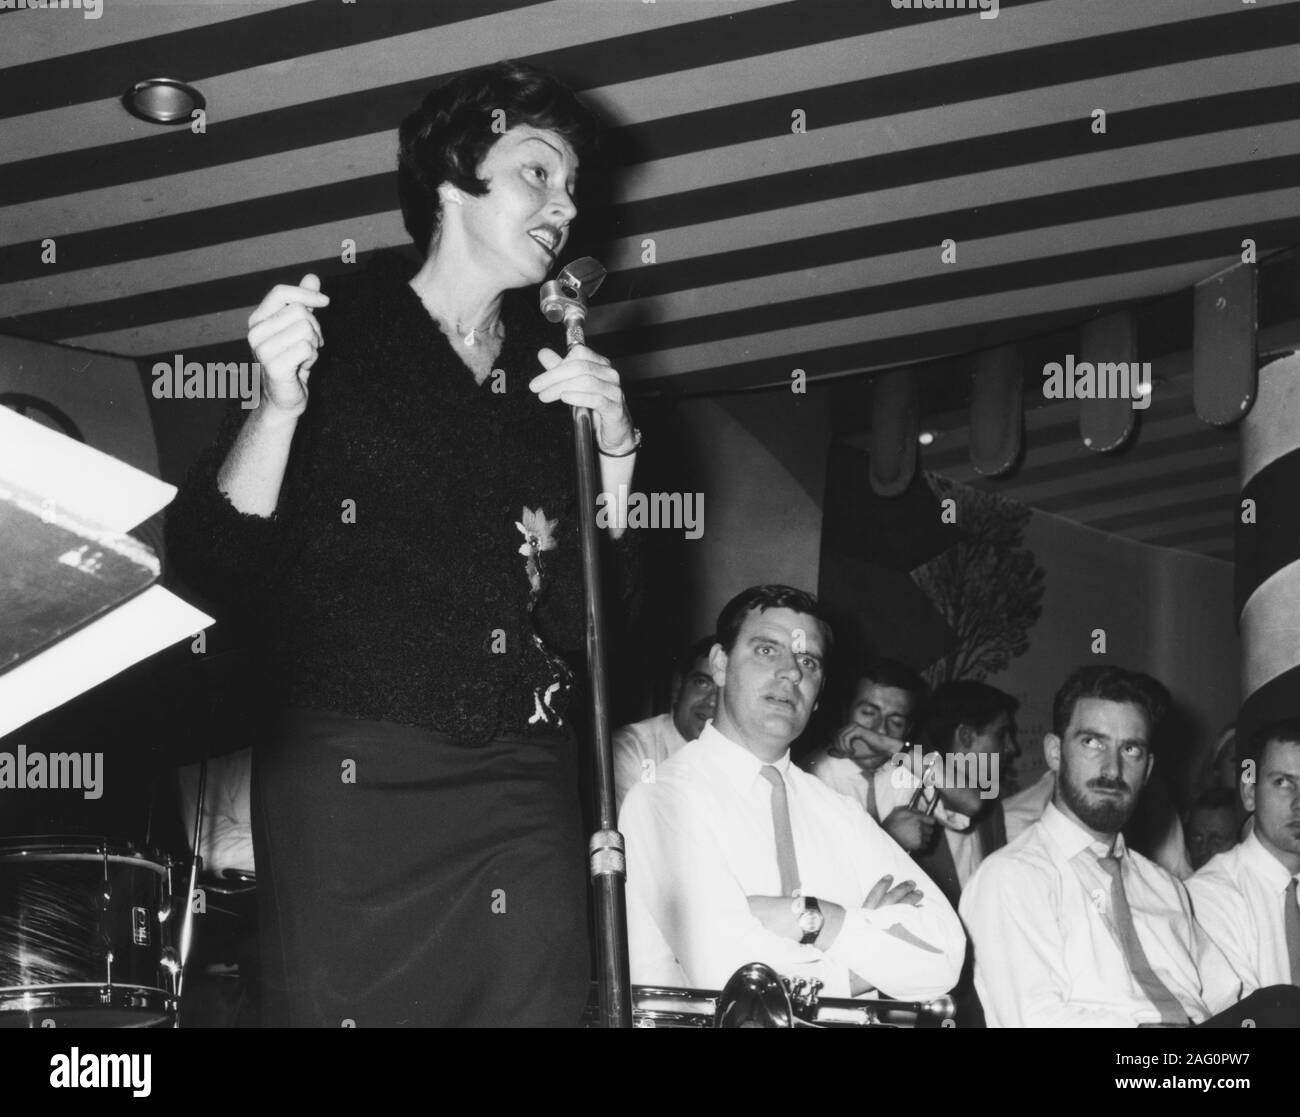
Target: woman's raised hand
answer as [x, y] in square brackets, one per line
[286, 338]
[586, 379]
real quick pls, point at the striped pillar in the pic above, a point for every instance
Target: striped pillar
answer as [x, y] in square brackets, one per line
[1268, 550]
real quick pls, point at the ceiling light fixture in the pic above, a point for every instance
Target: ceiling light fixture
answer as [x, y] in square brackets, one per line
[163, 101]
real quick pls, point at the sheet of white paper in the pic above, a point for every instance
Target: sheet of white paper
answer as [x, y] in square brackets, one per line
[146, 624]
[77, 479]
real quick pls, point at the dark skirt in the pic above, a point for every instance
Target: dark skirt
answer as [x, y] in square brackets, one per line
[444, 887]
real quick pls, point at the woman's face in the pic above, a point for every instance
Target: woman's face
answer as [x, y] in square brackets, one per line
[518, 228]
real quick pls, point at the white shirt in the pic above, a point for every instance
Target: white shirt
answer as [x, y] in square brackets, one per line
[892, 785]
[640, 748]
[1021, 810]
[1025, 807]
[845, 775]
[1238, 898]
[1045, 953]
[227, 815]
[700, 840]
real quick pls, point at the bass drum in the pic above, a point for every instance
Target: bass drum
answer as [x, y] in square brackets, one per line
[86, 935]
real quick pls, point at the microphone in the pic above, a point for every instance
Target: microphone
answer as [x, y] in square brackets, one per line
[564, 299]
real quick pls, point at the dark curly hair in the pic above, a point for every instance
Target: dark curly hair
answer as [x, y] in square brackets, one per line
[1114, 684]
[964, 702]
[447, 137]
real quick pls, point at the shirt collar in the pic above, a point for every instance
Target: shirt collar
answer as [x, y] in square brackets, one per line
[1073, 839]
[737, 763]
[1264, 863]
[670, 728]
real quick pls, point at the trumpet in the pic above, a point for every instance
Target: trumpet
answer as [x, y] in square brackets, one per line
[756, 996]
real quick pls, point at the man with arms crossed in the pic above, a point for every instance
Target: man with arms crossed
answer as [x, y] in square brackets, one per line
[735, 855]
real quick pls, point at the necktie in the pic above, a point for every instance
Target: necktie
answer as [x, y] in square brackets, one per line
[993, 830]
[785, 860]
[1291, 923]
[939, 866]
[1171, 1012]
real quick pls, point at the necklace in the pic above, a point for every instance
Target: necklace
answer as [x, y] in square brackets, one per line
[494, 330]
[471, 335]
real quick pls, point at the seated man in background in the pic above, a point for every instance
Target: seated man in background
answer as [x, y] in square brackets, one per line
[1221, 771]
[971, 729]
[974, 725]
[641, 747]
[888, 703]
[735, 855]
[1070, 927]
[1211, 826]
[227, 842]
[222, 972]
[1246, 898]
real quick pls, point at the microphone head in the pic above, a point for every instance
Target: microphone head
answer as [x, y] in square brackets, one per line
[584, 275]
[568, 293]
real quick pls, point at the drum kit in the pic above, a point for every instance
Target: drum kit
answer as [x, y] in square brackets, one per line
[95, 932]
[87, 935]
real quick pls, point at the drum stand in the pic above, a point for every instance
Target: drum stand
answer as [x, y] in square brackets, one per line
[187, 924]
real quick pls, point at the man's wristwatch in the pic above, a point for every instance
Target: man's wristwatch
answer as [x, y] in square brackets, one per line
[811, 920]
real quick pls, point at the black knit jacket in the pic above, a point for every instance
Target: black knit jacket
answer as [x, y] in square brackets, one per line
[417, 611]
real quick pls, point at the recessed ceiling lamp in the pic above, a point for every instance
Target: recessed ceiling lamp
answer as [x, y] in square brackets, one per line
[163, 101]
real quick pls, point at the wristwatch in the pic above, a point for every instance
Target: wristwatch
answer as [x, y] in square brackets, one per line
[811, 920]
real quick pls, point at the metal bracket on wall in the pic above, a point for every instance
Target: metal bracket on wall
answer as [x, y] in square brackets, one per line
[997, 416]
[895, 418]
[1224, 327]
[1107, 421]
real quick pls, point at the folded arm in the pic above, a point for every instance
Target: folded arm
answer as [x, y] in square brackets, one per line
[908, 949]
[677, 871]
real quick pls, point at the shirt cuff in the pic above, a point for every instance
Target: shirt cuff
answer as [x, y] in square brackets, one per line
[832, 973]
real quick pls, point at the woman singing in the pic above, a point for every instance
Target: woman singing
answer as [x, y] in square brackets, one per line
[407, 530]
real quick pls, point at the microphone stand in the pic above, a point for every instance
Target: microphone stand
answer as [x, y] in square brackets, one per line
[565, 299]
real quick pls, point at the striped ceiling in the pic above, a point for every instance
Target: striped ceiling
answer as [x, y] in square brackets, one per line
[1174, 485]
[775, 249]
